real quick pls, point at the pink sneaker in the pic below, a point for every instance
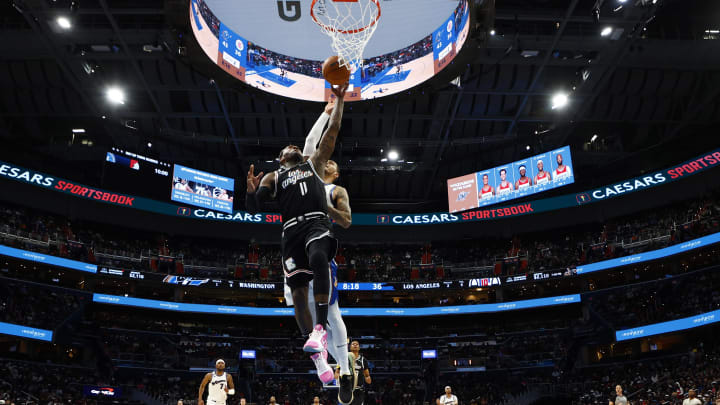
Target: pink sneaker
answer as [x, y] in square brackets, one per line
[317, 342]
[324, 370]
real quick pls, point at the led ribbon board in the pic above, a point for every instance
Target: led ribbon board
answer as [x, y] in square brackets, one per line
[691, 167]
[26, 332]
[669, 326]
[254, 311]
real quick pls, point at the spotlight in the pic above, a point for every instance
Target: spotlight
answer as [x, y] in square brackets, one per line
[393, 155]
[594, 138]
[492, 32]
[606, 31]
[64, 23]
[78, 130]
[149, 144]
[115, 95]
[559, 100]
[527, 147]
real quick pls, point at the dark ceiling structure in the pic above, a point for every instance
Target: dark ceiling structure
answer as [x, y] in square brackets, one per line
[649, 87]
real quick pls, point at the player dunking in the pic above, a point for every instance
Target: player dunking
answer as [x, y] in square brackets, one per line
[221, 385]
[339, 210]
[307, 241]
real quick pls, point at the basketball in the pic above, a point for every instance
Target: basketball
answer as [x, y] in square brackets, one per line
[334, 73]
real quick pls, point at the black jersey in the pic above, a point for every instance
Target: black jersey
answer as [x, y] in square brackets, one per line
[299, 191]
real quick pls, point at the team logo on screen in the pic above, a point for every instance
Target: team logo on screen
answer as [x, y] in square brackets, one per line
[582, 198]
[184, 211]
[239, 45]
[463, 195]
[383, 219]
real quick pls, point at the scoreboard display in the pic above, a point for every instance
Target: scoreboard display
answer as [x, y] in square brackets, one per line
[132, 173]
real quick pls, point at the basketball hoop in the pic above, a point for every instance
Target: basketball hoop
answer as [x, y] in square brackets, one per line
[349, 23]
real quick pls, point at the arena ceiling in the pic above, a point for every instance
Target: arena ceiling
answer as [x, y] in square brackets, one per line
[650, 86]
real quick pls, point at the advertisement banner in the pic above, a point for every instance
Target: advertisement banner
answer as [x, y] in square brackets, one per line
[280, 311]
[669, 326]
[709, 160]
[25, 332]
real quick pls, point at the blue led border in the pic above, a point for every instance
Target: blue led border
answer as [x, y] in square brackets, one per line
[285, 311]
[669, 326]
[26, 332]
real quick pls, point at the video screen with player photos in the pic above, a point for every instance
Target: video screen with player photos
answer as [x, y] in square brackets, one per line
[512, 180]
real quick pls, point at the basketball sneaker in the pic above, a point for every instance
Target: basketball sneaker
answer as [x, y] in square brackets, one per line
[317, 342]
[347, 383]
[324, 370]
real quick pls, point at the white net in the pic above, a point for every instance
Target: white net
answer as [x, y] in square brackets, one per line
[349, 23]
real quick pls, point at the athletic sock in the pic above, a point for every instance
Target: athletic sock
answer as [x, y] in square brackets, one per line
[321, 310]
[344, 365]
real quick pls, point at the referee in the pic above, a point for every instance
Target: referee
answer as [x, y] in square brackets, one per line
[361, 371]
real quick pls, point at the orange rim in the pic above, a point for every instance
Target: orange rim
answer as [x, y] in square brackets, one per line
[355, 31]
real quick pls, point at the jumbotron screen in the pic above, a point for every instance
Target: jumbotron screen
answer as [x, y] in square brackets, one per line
[202, 189]
[510, 181]
[276, 46]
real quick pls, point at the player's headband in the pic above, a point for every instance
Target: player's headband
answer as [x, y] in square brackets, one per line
[447, 387]
[540, 161]
[521, 167]
[219, 361]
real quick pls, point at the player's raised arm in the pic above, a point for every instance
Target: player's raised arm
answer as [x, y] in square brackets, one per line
[201, 391]
[317, 130]
[327, 143]
[341, 213]
[258, 191]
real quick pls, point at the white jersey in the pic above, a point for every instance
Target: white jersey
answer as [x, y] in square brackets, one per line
[565, 172]
[693, 401]
[216, 390]
[329, 188]
[445, 400]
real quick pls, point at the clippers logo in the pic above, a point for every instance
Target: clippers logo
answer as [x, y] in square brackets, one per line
[383, 219]
[184, 211]
[462, 196]
[239, 45]
[582, 198]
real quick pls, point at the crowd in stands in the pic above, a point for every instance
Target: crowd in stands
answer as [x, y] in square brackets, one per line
[658, 301]
[35, 306]
[561, 249]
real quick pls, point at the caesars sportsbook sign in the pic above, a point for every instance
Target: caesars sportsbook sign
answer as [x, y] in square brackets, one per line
[10, 172]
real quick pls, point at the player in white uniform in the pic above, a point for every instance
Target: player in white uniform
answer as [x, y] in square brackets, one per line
[221, 385]
[562, 171]
[524, 181]
[486, 192]
[542, 176]
[505, 186]
[339, 210]
[448, 398]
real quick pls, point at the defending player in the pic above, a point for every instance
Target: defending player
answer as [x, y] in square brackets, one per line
[542, 177]
[307, 241]
[221, 385]
[524, 181]
[487, 191]
[562, 171]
